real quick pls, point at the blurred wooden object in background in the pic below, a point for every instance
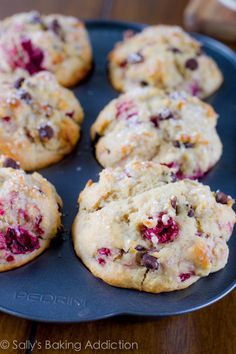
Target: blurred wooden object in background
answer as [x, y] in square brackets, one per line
[212, 17]
[209, 330]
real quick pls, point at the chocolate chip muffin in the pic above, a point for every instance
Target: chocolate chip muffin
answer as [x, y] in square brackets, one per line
[29, 214]
[31, 42]
[39, 120]
[156, 233]
[175, 129]
[165, 57]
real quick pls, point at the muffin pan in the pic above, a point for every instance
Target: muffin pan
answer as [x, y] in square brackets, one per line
[56, 287]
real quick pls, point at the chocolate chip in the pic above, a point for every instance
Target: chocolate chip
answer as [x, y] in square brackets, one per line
[221, 197]
[55, 27]
[191, 64]
[149, 261]
[175, 50]
[191, 212]
[176, 144]
[165, 114]
[135, 58]
[37, 20]
[28, 134]
[9, 162]
[173, 177]
[48, 110]
[140, 248]
[139, 255]
[144, 83]
[173, 202]
[25, 96]
[189, 145]
[45, 132]
[155, 121]
[18, 83]
[70, 114]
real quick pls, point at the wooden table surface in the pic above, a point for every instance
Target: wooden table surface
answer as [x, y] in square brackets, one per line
[210, 330]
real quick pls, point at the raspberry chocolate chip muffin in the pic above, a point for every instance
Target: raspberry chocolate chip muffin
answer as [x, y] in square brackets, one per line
[164, 57]
[156, 233]
[30, 42]
[39, 120]
[29, 214]
[176, 129]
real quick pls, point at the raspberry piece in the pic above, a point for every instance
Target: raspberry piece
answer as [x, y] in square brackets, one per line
[37, 225]
[165, 231]
[2, 242]
[2, 211]
[197, 174]
[104, 251]
[28, 57]
[185, 276]
[10, 258]
[194, 89]
[125, 110]
[35, 57]
[6, 119]
[169, 164]
[101, 261]
[178, 173]
[23, 215]
[20, 241]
